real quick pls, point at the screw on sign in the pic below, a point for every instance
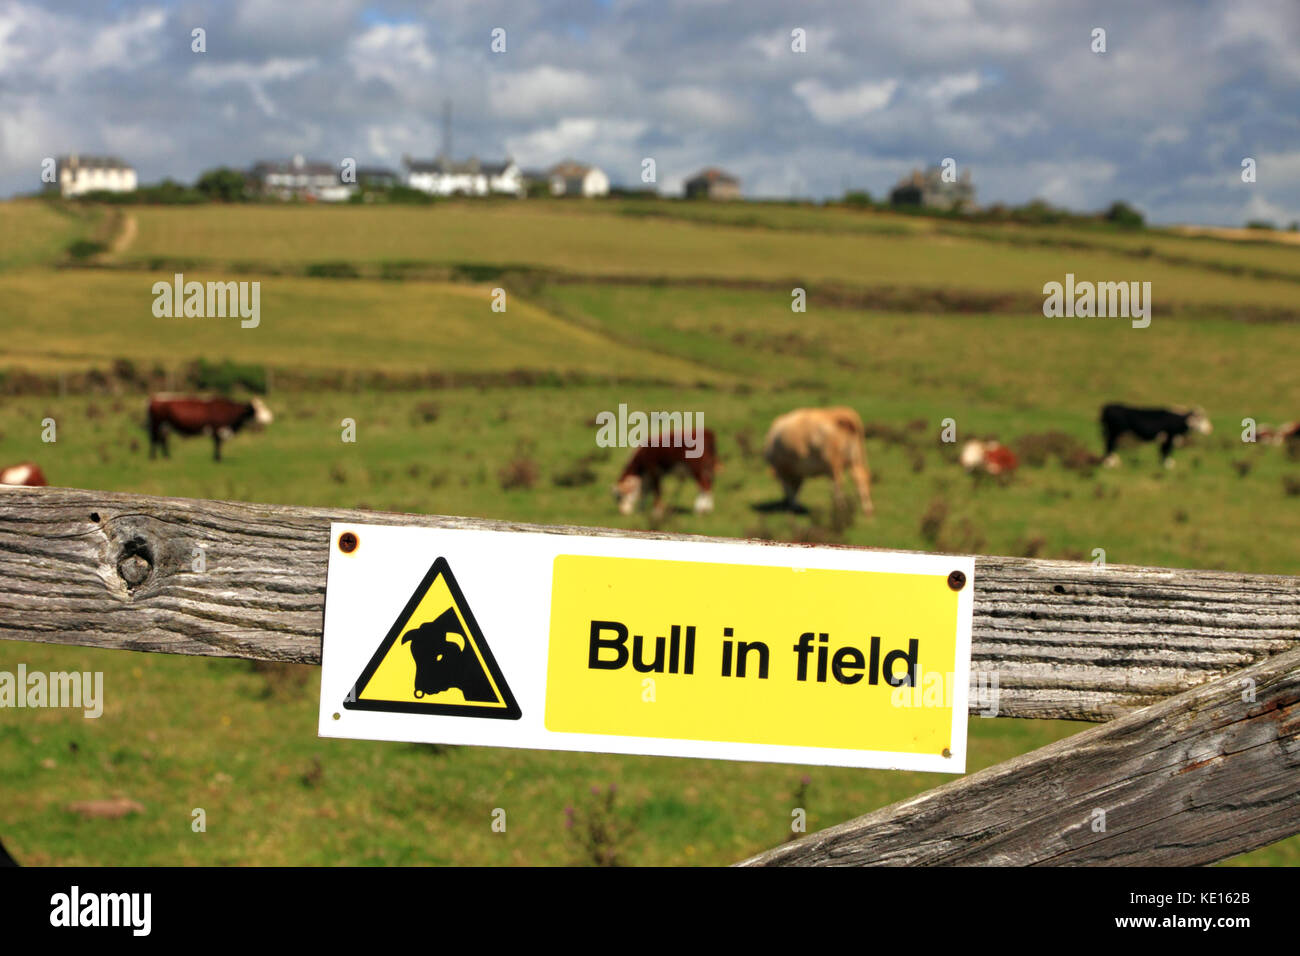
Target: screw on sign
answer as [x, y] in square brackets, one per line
[348, 542]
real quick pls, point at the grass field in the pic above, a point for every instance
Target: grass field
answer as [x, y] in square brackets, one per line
[586, 241]
[180, 733]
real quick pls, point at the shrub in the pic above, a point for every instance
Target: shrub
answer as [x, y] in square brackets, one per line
[1122, 214]
[332, 270]
[426, 412]
[520, 472]
[81, 249]
[222, 185]
[226, 376]
[932, 521]
[575, 476]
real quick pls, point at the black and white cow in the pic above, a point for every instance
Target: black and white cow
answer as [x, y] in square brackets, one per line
[1149, 424]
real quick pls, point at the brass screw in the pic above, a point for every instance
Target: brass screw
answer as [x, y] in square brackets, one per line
[348, 542]
[947, 752]
[957, 580]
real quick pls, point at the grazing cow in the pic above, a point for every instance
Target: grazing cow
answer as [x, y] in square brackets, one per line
[1279, 435]
[444, 659]
[23, 474]
[808, 442]
[650, 464]
[991, 457]
[1149, 424]
[186, 415]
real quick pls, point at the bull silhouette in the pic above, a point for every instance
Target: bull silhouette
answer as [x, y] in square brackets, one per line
[441, 663]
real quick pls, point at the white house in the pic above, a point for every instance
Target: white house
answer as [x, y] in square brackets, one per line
[84, 174]
[302, 179]
[571, 178]
[444, 177]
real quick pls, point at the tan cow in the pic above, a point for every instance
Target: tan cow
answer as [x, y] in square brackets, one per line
[809, 442]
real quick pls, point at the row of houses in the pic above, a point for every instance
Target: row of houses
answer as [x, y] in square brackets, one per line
[300, 178]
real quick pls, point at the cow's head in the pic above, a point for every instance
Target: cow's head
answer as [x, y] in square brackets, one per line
[627, 492]
[973, 454]
[437, 651]
[1198, 421]
[261, 414]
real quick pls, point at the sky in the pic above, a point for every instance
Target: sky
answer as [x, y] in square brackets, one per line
[1010, 89]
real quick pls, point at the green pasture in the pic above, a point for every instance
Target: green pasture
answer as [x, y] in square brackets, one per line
[581, 238]
[239, 741]
[78, 318]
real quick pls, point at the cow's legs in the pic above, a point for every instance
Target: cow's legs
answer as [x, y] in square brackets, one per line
[704, 500]
[1166, 448]
[216, 448]
[1112, 439]
[790, 485]
[837, 478]
[155, 437]
[862, 478]
[657, 495]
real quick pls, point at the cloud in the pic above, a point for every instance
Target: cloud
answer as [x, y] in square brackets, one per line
[394, 53]
[1009, 88]
[844, 105]
[256, 77]
[543, 90]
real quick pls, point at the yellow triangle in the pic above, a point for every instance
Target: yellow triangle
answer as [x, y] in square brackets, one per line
[434, 659]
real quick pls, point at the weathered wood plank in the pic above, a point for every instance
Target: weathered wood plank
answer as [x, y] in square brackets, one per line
[1193, 779]
[1060, 639]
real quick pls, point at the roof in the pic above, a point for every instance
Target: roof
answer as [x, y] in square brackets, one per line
[713, 175]
[570, 169]
[932, 176]
[447, 167]
[77, 161]
[295, 165]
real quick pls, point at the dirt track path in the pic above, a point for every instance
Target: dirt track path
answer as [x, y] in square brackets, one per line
[125, 236]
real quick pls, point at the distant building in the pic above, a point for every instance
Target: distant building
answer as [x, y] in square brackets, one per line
[301, 179]
[444, 177]
[929, 189]
[377, 177]
[712, 183]
[84, 174]
[571, 178]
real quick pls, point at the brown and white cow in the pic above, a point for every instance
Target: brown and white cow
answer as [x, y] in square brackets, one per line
[809, 442]
[1279, 434]
[191, 415]
[25, 473]
[651, 463]
[991, 457]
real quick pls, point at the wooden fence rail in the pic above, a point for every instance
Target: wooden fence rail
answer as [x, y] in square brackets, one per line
[1056, 639]
[1197, 778]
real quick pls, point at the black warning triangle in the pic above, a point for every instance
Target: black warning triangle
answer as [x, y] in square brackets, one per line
[435, 659]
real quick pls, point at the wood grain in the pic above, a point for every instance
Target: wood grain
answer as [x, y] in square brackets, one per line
[1194, 779]
[1060, 639]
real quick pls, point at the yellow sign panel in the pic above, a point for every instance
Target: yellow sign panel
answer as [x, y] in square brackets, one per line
[752, 654]
[434, 659]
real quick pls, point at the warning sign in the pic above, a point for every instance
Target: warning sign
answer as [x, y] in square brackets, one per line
[434, 660]
[621, 645]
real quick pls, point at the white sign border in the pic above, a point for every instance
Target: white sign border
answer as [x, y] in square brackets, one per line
[408, 552]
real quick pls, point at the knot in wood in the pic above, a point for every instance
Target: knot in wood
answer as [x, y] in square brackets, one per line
[134, 568]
